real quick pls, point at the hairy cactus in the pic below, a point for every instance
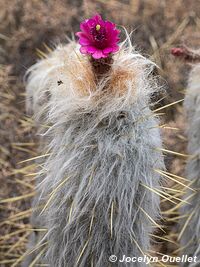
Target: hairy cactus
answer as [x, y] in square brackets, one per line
[190, 227]
[97, 190]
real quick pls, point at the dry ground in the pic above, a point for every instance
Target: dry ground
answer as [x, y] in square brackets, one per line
[26, 26]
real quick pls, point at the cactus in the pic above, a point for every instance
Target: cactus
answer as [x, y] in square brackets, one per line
[190, 226]
[98, 193]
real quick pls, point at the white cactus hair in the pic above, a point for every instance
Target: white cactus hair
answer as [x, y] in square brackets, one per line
[98, 183]
[190, 238]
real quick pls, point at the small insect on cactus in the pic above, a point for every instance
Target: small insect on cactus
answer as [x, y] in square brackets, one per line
[98, 189]
[190, 224]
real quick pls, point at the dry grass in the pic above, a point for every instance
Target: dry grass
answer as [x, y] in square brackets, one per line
[26, 26]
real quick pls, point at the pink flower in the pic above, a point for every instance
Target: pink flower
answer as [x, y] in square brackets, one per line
[98, 37]
[178, 51]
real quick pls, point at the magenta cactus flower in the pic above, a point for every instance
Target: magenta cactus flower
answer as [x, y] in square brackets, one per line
[98, 38]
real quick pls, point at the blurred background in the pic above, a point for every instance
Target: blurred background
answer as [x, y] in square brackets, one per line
[27, 30]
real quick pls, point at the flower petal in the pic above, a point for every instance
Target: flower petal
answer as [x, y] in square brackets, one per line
[107, 50]
[91, 23]
[111, 49]
[83, 50]
[109, 25]
[115, 48]
[91, 49]
[98, 54]
[97, 18]
[84, 41]
[84, 27]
